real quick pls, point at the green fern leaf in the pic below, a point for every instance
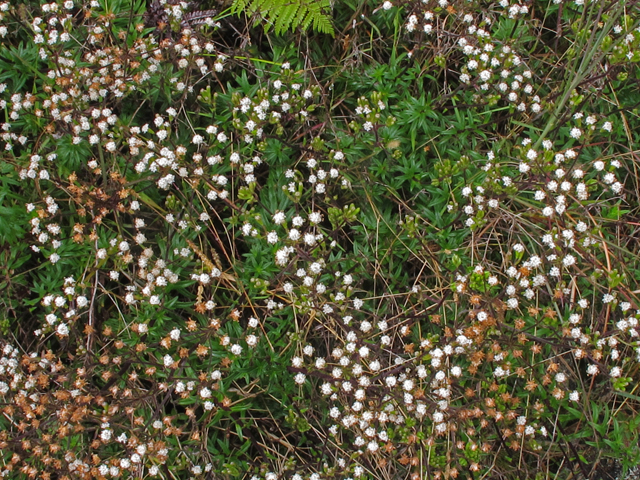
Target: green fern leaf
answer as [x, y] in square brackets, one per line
[322, 24]
[265, 5]
[317, 17]
[238, 6]
[320, 19]
[286, 18]
[284, 15]
[305, 17]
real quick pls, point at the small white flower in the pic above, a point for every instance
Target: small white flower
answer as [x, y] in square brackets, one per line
[62, 330]
[294, 234]
[279, 218]
[315, 217]
[310, 239]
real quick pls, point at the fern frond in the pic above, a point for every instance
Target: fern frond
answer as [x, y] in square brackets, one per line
[306, 16]
[238, 6]
[284, 15]
[251, 6]
[260, 6]
[286, 18]
[322, 24]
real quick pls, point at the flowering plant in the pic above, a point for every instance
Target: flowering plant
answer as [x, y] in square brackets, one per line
[411, 253]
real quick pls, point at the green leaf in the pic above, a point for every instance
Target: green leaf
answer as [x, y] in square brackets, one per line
[285, 15]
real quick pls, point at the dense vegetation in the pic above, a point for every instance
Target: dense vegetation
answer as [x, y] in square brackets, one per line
[278, 239]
